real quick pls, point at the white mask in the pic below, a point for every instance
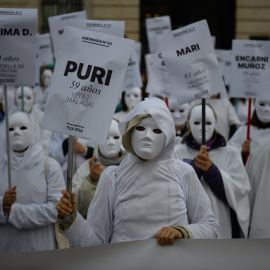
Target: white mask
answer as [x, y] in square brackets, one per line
[132, 97]
[20, 131]
[113, 144]
[47, 77]
[179, 112]
[195, 123]
[263, 110]
[28, 98]
[147, 139]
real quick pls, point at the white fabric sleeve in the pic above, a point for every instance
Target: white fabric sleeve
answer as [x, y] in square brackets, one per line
[37, 215]
[98, 227]
[202, 222]
[3, 216]
[237, 187]
[78, 178]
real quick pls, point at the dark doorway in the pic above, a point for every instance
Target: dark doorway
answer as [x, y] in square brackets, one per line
[220, 16]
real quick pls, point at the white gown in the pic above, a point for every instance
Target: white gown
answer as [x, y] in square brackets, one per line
[29, 226]
[236, 185]
[258, 170]
[258, 137]
[134, 200]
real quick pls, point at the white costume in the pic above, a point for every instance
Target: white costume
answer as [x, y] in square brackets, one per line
[227, 163]
[258, 170]
[259, 134]
[35, 113]
[83, 185]
[132, 97]
[29, 226]
[43, 91]
[226, 116]
[136, 199]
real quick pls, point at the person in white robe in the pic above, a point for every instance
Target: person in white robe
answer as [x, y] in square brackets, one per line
[179, 114]
[228, 121]
[258, 170]
[83, 150]
[130, 98]
[259, 129]
[86, 178]
[42, 90]
[220, 170]
[27, 210]
[25, 101]
[149, 195]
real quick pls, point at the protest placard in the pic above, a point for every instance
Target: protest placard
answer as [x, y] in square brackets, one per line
[57, 25]
[116, 28]
[44, 50]
[191, 62]
[133, 75]
[86, 83]
[159, 83]
[154, 27]
[18, 46]
[250, 70]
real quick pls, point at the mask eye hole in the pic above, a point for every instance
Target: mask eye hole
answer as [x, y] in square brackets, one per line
[127, 95]
[28, 98]
[11, 129]
[181, 111]
[157, 131]
[208, 123]
[140, 128]
[172, 111]
[23, 128]
[136, 95]
[116, 137]
[262, 104]
[196, 123]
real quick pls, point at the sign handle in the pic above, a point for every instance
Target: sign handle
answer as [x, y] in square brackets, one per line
[203, 122]
[70, 171]
[7, 137]
[248, 125]
[167, 101]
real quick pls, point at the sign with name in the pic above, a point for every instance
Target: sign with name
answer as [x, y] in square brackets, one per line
[155, 27]
[149, 63]
[86, 83]
[116, 28]
[57, 25]
[159, 83]
[133, 75]
[18, 29]
[190, 59]
[44, 50]
[250, 70]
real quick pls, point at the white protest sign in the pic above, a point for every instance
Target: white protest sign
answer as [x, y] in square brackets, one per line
[154, 27]
[133, 75]
[149, 62]
[190, 59]
[44, 50]
[250, 69]
[57, 25]
[116, 28]
[228, 67]
[138, 50]
[18, 29]
[86, 83]
[159, 82]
